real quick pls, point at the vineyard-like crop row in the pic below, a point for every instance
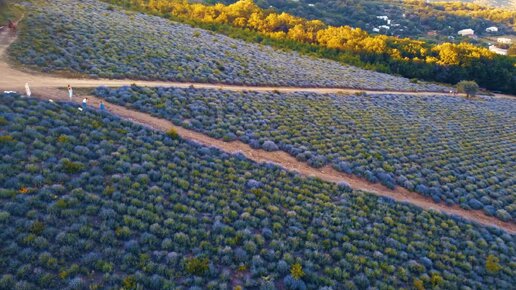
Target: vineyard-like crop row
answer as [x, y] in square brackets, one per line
[454, 150]
[90, 38]
[88, 200]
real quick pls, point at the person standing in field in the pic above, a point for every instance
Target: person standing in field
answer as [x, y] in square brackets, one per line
[102, 107]
[85, 103]
[27, 90]
[70, 92]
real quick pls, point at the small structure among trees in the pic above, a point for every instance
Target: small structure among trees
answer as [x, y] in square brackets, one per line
[470, 88]
[492, 29]
[466, 32]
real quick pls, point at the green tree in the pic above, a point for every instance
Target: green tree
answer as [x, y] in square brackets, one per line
[470, 88]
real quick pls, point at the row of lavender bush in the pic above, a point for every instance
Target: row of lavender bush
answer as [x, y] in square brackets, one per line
[88, 201]
[457, 151]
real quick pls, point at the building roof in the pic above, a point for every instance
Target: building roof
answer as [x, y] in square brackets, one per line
[466, 31]
[498, 50]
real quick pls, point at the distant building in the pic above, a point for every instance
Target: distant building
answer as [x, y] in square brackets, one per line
[466, 32]
[432, 33]
[504, 40]
[384, 27]
[383, 17]
[492, 29]
[498, 50]
[376, 29]
[311, 5]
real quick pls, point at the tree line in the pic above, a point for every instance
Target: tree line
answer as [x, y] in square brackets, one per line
[413, 18]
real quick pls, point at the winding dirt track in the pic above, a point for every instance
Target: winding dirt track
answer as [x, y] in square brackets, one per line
[46, 87]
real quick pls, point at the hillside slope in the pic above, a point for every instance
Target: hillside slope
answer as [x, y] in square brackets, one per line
[90, 201]
[446, 62]
[456, 151]
[89, 37]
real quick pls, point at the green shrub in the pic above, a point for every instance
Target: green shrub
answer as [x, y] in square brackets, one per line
[297, 271]
[62, 204]
[172, 133]
[37, 227]
[6, 139]
[4, 216]
[492, 264]
[418, 284]
[63, 139]
[109, 190]
[72, 167]
[128, 283]
[437, 280]
[197, 266]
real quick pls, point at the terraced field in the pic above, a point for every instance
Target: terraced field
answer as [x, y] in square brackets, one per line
[454, 150]
[88, 200]
[89, 37]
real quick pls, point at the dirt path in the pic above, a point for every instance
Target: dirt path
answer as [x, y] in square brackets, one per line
[46, 87]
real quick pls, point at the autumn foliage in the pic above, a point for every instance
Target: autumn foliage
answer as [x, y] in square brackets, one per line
[246, 14]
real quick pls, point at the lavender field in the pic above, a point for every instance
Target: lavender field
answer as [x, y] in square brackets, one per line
[457, 151]
[92, 202]
[262, 185]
